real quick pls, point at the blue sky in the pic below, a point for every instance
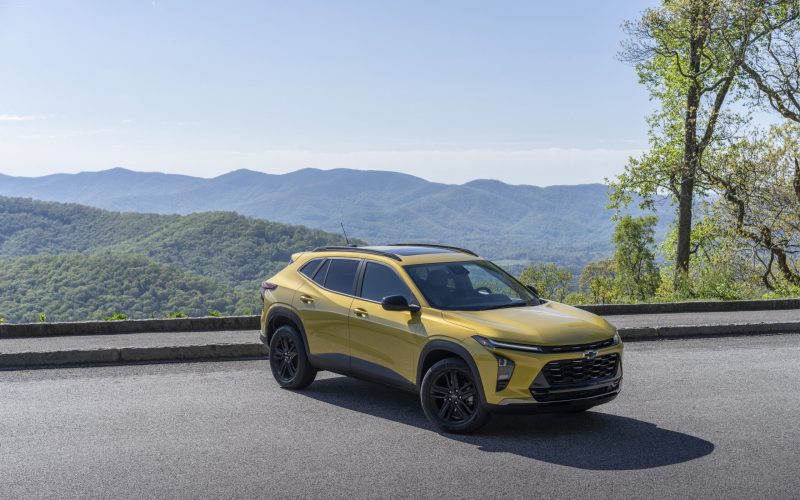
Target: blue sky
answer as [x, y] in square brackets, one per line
[529, 92]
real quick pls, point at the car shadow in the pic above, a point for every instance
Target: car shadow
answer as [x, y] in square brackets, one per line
[593, 440]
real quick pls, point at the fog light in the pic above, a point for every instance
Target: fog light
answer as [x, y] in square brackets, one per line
[505, 368]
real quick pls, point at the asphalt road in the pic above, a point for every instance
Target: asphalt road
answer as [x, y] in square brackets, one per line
[716, 418]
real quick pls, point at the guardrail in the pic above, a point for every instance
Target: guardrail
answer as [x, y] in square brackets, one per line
[212, 323]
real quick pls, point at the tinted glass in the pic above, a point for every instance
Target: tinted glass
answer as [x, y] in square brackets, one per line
[381, 281]
[469, 286]
[341, 275]
[311, 267]
[319, 277]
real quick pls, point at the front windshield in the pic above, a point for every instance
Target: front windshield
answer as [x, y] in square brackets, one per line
[469, 286]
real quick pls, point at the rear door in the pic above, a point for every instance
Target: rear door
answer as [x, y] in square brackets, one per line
[324, 302]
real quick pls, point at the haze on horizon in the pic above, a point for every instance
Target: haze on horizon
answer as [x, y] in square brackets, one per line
[523, 92]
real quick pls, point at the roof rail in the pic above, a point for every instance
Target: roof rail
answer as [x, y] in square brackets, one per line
[357, 249]
[429, 245]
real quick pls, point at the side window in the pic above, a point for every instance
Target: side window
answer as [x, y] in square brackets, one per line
[311, 267]
[381, 281]
[341, 275]
[319, 277]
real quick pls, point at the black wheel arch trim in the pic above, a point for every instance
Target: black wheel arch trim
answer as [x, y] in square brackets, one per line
[460, 352]
[285, 312]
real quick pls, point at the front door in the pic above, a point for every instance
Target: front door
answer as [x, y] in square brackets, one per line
[383, 343]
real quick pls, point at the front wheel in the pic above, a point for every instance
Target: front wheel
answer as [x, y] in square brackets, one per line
[288, 360]
[450, 397]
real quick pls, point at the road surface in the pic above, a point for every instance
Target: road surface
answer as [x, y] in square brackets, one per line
[714, 418]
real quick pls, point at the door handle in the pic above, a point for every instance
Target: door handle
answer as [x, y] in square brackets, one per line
[306, 299]
[360, 312]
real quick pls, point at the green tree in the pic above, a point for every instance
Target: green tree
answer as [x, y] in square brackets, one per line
[759, 180]
[552, 281]
[637, 274]
[689, 55]
[598, 281]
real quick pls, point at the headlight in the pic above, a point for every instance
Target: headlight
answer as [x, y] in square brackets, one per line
[616, 339]
[498, 344]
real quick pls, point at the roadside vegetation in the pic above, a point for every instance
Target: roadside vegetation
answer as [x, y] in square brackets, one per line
[711, 65]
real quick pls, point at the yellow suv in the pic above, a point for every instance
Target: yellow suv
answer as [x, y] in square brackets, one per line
[440, 321]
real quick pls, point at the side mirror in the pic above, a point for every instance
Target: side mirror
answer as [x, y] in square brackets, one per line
[398, 303]
[532, 289]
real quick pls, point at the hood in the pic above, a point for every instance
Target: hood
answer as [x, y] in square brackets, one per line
[547, 324]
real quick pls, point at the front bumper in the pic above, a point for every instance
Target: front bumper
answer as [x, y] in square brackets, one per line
[551, 382]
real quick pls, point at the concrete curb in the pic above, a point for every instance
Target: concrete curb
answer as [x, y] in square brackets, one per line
[125, 355]
[211, 323]
[217, 352]
[684, 307]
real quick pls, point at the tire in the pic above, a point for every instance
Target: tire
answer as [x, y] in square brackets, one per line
[288, 360]
[451, 399]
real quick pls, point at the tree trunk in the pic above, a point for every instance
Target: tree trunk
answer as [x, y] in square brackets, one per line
[691, 158]
[683, 251]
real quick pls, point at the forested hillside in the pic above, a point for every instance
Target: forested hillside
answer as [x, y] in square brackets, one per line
[568, 225]
[71, 262]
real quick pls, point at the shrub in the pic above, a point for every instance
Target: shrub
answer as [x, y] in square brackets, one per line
[115, 317]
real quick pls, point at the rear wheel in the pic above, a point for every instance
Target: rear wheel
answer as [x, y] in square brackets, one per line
[288, 360]
[450, 397]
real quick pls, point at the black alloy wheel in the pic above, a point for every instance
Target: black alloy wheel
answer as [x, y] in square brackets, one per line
[285, 356]
[451, 398]
[288, 360]
[454, 396]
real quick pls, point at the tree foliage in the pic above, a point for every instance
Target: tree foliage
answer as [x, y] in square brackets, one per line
[759, 181]
[598, 282]
[551, 280]
[71, 262]
[689, 54]
[636, 271]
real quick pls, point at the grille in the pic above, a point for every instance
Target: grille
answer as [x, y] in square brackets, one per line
[577, 348]
[578, 371]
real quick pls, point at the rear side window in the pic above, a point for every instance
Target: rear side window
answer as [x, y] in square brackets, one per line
[319, 277]
[311, 267]
[341, 275]
[380, 281]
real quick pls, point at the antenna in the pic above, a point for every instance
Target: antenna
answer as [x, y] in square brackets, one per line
[344, 233]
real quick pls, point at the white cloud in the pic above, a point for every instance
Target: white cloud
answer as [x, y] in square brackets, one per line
[16, 118]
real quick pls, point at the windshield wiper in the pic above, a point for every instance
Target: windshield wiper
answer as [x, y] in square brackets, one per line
[510, 304]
